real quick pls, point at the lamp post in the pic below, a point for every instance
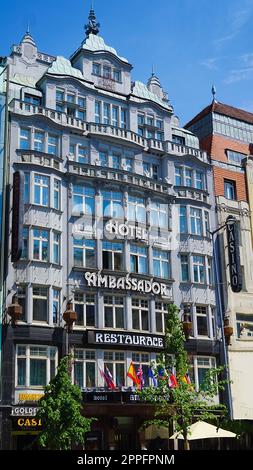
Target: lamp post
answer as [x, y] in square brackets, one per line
[69, 316]
[226, 330]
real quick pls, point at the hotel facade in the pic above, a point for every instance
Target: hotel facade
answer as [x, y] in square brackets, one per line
[111, 206]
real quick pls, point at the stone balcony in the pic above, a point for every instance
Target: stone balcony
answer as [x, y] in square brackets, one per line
[108, 132]
[120, 176]
[183, 150]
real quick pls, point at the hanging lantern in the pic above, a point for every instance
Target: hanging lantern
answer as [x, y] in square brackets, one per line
[187, 325]
[228, 331]
[69, 316]
[15, 310]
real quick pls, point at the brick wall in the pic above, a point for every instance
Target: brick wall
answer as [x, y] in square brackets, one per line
[216, 146]
[221, 174]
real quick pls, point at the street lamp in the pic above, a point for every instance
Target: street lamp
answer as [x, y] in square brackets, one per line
[15, 311]
[226, 329]
[69, 316]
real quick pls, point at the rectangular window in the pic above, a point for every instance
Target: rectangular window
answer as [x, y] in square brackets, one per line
[159, 124]
[56, 306]
[141, 131]
[141, 119]
[178, 176]
[244, 325]
[196, 221]
[84, 253]
[59, 101]
[40, 245]
[207, 224]
[113, 312]
[176, 139]
[140, 314]
[52, 147]
[202, 320]
[82, 155]
[210, 271]
[154, 171]
[199, 180]
[83, 200]
[40, 304]
[39, 141]
[113, 256]
[25, 138]
[36, 365]
[115, 116]
[98, 112]
[150, 121]
[107, 72]
[161, 311]
[107, 113]
[41, 190]
[57, 193]
[84, 368]
[161, 264]
[112, 204]
[230, 189]
[103, 158]
[128, 164]
[188, 178]
[184, 268]
[34, 100]
[117, 75]
[235, 157]
[27, 188]
[199, 269]
[21, 293]
[138, 259]
[70, 98]
[85, 309]
[56, 247]
[159, 214]
[24, 254]
[114, 364]
[96, 69]
[136, 209]
[202, 365]
[183, 219]
[123, 120]
[116, 161]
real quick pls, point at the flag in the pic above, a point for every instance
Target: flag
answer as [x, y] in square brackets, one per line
[132, 374]
[172, 381]
[188, 380]
[152, 376]
[107, 376]
[162, 374]
[140, 376]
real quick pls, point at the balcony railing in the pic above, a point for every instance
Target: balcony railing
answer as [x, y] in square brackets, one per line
[152, 145]
[178, 149]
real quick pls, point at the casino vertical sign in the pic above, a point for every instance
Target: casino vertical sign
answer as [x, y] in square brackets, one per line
[234, 254]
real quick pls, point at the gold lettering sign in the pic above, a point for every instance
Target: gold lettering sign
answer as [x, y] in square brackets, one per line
[30, 396]
[29, 422]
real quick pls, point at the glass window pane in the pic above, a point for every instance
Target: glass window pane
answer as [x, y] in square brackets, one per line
[38, 372]
[21, 371]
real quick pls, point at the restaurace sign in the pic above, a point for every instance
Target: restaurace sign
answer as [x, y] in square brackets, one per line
[125, 339]
[234, 255]
[126, 283]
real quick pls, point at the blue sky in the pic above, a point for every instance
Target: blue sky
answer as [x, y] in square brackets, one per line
[192, 43]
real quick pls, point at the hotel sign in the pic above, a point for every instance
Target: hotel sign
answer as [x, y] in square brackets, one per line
[234, 255]
[125, 339]
[126, 283]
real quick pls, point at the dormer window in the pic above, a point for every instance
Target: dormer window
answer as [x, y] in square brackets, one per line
[106, 71]
[117, 75]
[96, 69]
[31, 99]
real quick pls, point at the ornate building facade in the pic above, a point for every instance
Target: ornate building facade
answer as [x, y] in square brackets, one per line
[117, 207]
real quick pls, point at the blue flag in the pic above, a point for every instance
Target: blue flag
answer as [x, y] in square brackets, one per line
[152, 376]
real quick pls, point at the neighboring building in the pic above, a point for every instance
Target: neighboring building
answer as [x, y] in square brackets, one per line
[118, 204]
[226, 133]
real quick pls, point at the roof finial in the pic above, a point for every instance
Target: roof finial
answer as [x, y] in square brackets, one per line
[214, 93]
[28, 28]
[93, 26]
[153, 70]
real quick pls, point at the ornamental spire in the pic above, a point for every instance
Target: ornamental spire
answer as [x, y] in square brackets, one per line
[93, 26]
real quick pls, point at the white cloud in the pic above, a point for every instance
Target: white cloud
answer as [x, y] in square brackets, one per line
[238, 75]
[211, 63]
[236, 19]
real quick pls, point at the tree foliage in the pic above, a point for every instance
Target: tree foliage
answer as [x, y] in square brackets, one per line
[60, 411]
[182, 404]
